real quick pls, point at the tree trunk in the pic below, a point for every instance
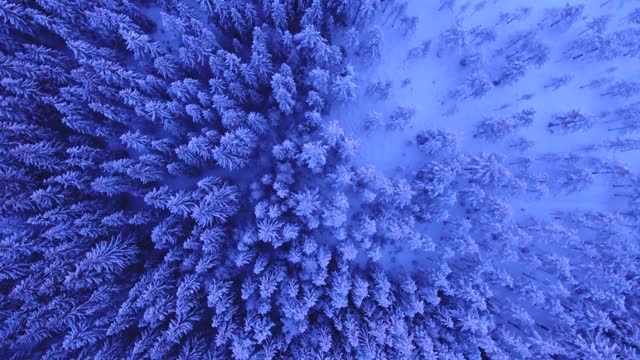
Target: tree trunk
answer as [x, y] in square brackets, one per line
[385, 6]
[542, 327]
[355, 18]
[556, 23]
[514, 43]
[621, 128]
[395, 19]
[514, 325]
[529, 276]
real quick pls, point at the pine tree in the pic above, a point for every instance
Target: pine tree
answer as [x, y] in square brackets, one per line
[571, 121]
[218, 205]
[622, 88]
[343, 87]
[434, 142]
[314, 156]
[140, 44]
[235, 148]
[279, 15]
[102, 263]
[284, 88]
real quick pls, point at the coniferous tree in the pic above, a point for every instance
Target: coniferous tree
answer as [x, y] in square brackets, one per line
[571, 121]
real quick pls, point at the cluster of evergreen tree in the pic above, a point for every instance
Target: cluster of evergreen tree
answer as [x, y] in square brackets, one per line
[171, 188]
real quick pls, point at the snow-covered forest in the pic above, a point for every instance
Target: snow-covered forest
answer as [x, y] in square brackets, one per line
[319, 179]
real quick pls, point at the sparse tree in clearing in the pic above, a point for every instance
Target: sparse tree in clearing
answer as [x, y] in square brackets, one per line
[446, 5]
[597, 25]
[525, 117]
[371, 47]
[525, 47]
[623, 88]
[400, 117]
[418, 52]
[626, 43]
[373, 120]
[471, 58]
[520, 14]
[520, 144]
[399, 10]
[557, 82]
[517, 39]
[633, 194]
[605, 223]
[564, 17]
[495, 129]
[477, 84]
[629, 116]
[629, 189]
[479, 35]
[623, 145]
[386, 4]
[599, 46]
[408, 25]
[574, 181]
[535, 183]
[379, 90]
[634, 16]
[535, 52]
[452, 39]
[570, 122]
[511, 72]
[436, 141]
[597, 83]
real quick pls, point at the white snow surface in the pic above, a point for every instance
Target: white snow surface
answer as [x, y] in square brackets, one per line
[431, 78]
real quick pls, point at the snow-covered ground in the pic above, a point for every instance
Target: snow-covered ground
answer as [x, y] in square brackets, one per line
[427, 81]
